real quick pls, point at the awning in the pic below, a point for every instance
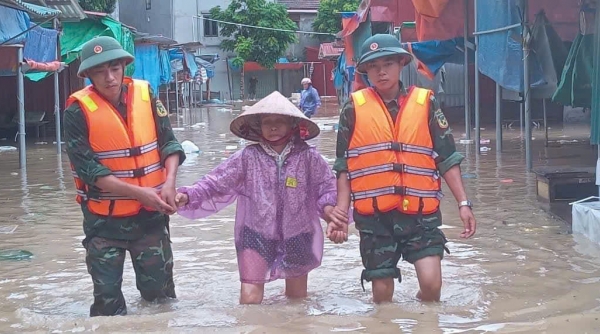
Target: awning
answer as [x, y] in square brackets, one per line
[330, 50]
[31, 9]
[70, 9]
[154, 39]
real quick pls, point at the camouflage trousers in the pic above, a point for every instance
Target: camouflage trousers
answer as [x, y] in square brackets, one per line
[152, 259]
[390, 236]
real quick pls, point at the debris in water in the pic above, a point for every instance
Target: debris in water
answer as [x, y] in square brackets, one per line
[484, 149]
[7, 149]
[506, 181]
[198, 125]
[8, 229]
[15, 255]
[189, 147]
[231, 147]
[469, 176]
[466, 141]
[484, 141]
[177, 129]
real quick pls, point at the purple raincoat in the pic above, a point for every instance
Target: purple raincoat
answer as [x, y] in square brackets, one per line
[280, 198]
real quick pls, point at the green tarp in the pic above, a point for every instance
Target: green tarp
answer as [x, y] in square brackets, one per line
[575, 87]
[75, 34]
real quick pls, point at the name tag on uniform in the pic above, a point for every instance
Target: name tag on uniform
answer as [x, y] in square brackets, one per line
[291, 182]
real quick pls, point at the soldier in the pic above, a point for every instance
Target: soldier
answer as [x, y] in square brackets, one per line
[124, 157]
[393, 146]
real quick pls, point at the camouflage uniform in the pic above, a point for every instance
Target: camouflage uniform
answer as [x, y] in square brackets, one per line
[145, 235]
[389, 236]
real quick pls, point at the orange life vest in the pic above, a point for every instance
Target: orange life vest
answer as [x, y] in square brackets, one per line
[391, 166]
[128, 148]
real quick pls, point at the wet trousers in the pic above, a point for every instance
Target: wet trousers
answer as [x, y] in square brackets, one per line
[152, 259]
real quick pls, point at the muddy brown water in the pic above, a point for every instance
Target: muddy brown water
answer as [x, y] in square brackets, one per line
[522, 272]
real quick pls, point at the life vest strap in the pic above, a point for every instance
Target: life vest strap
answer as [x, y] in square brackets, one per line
[398, 147]
[393, 190]
[138, 172]
[128, 152]
[400, 168]
[103, 195]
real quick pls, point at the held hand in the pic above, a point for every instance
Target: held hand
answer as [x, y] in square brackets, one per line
[468, 219]
[337, 234]
[336, 215]
[167, 193]
[181, 200]
[149, 197]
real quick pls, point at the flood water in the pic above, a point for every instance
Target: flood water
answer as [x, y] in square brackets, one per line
[522, 272]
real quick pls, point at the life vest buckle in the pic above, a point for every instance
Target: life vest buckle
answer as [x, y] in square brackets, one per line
[396, 147]
[135, 151]
[398, 168]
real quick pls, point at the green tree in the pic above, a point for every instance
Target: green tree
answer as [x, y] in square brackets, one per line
[329, 19]
[263, 46]
[104, 6]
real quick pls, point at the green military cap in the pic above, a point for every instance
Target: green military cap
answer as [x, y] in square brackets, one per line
[100, 50]
[381, 45]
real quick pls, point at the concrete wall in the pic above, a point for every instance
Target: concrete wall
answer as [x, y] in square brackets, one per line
[305, 22]
[155, 21]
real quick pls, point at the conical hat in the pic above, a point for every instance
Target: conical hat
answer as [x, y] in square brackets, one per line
[247, 125]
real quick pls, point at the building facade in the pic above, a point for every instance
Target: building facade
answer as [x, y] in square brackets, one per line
[186, 21]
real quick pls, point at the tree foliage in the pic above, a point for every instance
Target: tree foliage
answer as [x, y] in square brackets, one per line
[329, 19]
[103, 6]
[254, 44]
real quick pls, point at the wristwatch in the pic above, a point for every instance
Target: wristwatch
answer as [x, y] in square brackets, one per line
[465, 203]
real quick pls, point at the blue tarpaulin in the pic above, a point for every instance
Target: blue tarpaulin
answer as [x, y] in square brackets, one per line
[165, 67]
[190, 63]
[501, 53]
[12, 23]
[147, 66]
[40, 45]
[434, 54]
[210, 68]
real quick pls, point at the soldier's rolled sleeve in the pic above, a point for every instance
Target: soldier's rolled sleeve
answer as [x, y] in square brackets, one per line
[167, 142]
[345, 126]
[443, 140]
[80, 153]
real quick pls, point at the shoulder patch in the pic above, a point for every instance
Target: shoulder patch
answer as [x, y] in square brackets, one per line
[441, 119]
[161, 111]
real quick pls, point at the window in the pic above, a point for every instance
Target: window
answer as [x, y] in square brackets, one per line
[148, 4]
[211, 28]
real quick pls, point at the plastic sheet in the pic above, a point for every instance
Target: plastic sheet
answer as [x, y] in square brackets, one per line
[575, 87]
[12, 23]
[165, 67]
[501, 53]
[40, 45]
[147, 66]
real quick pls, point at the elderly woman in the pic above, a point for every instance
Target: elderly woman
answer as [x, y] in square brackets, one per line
[309, 98]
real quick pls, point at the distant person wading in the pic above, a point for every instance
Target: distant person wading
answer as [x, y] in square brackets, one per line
[309, 98]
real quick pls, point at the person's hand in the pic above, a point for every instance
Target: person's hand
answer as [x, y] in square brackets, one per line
[167, 193]
[150, 198]
[181, 199]
[337, 234]
[336, 215]
[468, 219]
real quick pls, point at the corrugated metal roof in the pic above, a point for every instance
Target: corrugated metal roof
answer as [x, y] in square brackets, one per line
[34, 10]
[300, 4]
[70, 9]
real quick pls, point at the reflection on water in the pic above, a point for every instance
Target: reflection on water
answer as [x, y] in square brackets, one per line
[521, 273]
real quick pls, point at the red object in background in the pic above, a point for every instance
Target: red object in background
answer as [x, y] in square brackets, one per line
[321, 76]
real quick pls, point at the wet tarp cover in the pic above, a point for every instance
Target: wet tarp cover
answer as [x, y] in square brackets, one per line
[12, 23]
[500, 53]
[575, 87]
[430, 56]
[442, 20]
[75, 34]
[165, 67]
[186, 57]
[147, 66]
[551, 53]
[210, 68]
[40, 45]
